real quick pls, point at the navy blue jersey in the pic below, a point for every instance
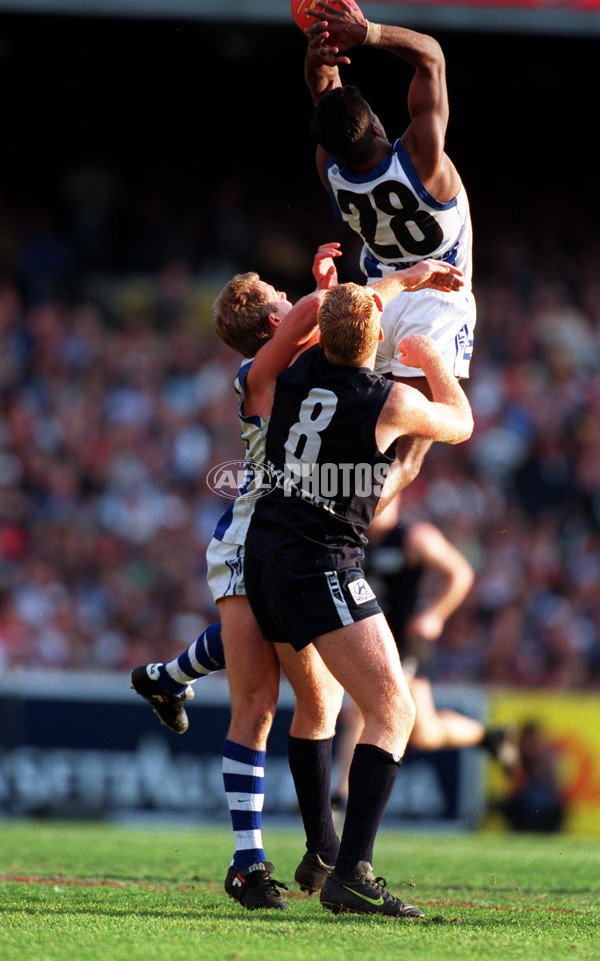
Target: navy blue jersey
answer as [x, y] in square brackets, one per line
[395, 582]
[326, 465]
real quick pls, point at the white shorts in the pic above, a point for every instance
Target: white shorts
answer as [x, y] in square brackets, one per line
[225, 574]
[448, 318]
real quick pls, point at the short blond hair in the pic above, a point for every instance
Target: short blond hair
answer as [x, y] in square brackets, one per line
[240, 314]
[349, 321]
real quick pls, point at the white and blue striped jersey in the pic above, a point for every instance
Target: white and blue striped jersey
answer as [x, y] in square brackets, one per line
[398, 220]
[233, 523]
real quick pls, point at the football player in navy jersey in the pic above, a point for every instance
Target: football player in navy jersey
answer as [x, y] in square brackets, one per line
[330, 442]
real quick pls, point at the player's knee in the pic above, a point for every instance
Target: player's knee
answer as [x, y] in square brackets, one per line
[404, 713]
[316, 718]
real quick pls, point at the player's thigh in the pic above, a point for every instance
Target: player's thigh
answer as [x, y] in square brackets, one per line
[364, 658]
[318, 694]
[252, 663]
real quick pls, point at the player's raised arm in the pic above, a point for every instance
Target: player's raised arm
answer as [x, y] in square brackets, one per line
[427, 98]
[321, 62]
[295, 332]
[324, 269]
[346, 27]
[447, 418]
[321, 74]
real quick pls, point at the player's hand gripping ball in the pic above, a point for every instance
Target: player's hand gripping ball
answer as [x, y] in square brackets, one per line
[301, 11]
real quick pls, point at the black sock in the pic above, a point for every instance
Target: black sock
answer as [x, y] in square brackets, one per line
[310, 764]
[372, 776]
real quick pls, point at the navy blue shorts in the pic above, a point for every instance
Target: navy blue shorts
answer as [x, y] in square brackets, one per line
[296, 607]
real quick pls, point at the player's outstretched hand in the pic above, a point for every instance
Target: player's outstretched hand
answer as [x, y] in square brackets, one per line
[433, 273]
[345, 22]
[324, 269]
[321, 47]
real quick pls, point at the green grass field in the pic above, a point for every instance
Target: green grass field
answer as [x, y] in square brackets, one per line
[94, 892]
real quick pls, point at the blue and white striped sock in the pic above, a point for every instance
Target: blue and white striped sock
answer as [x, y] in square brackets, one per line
[204, 656]
[244, 781]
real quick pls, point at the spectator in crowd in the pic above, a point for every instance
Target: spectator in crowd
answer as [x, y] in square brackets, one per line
[535, 800]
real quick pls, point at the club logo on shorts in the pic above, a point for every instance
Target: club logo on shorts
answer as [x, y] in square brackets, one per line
[360, 590]
[464, 343]
[235, 477]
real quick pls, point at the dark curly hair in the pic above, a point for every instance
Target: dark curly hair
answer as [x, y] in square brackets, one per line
[342, 123]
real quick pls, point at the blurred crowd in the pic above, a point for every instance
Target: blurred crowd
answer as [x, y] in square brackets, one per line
[117, 399]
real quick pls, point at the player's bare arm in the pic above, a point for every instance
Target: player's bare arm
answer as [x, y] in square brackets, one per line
[407, 412]
[419, 350]
[295, 332]
[321, 62]
[425, 544]
[321, 75]
[427, 273]
[428, 107]
[324, 270]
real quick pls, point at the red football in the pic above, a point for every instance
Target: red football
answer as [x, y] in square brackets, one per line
[301, 10]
